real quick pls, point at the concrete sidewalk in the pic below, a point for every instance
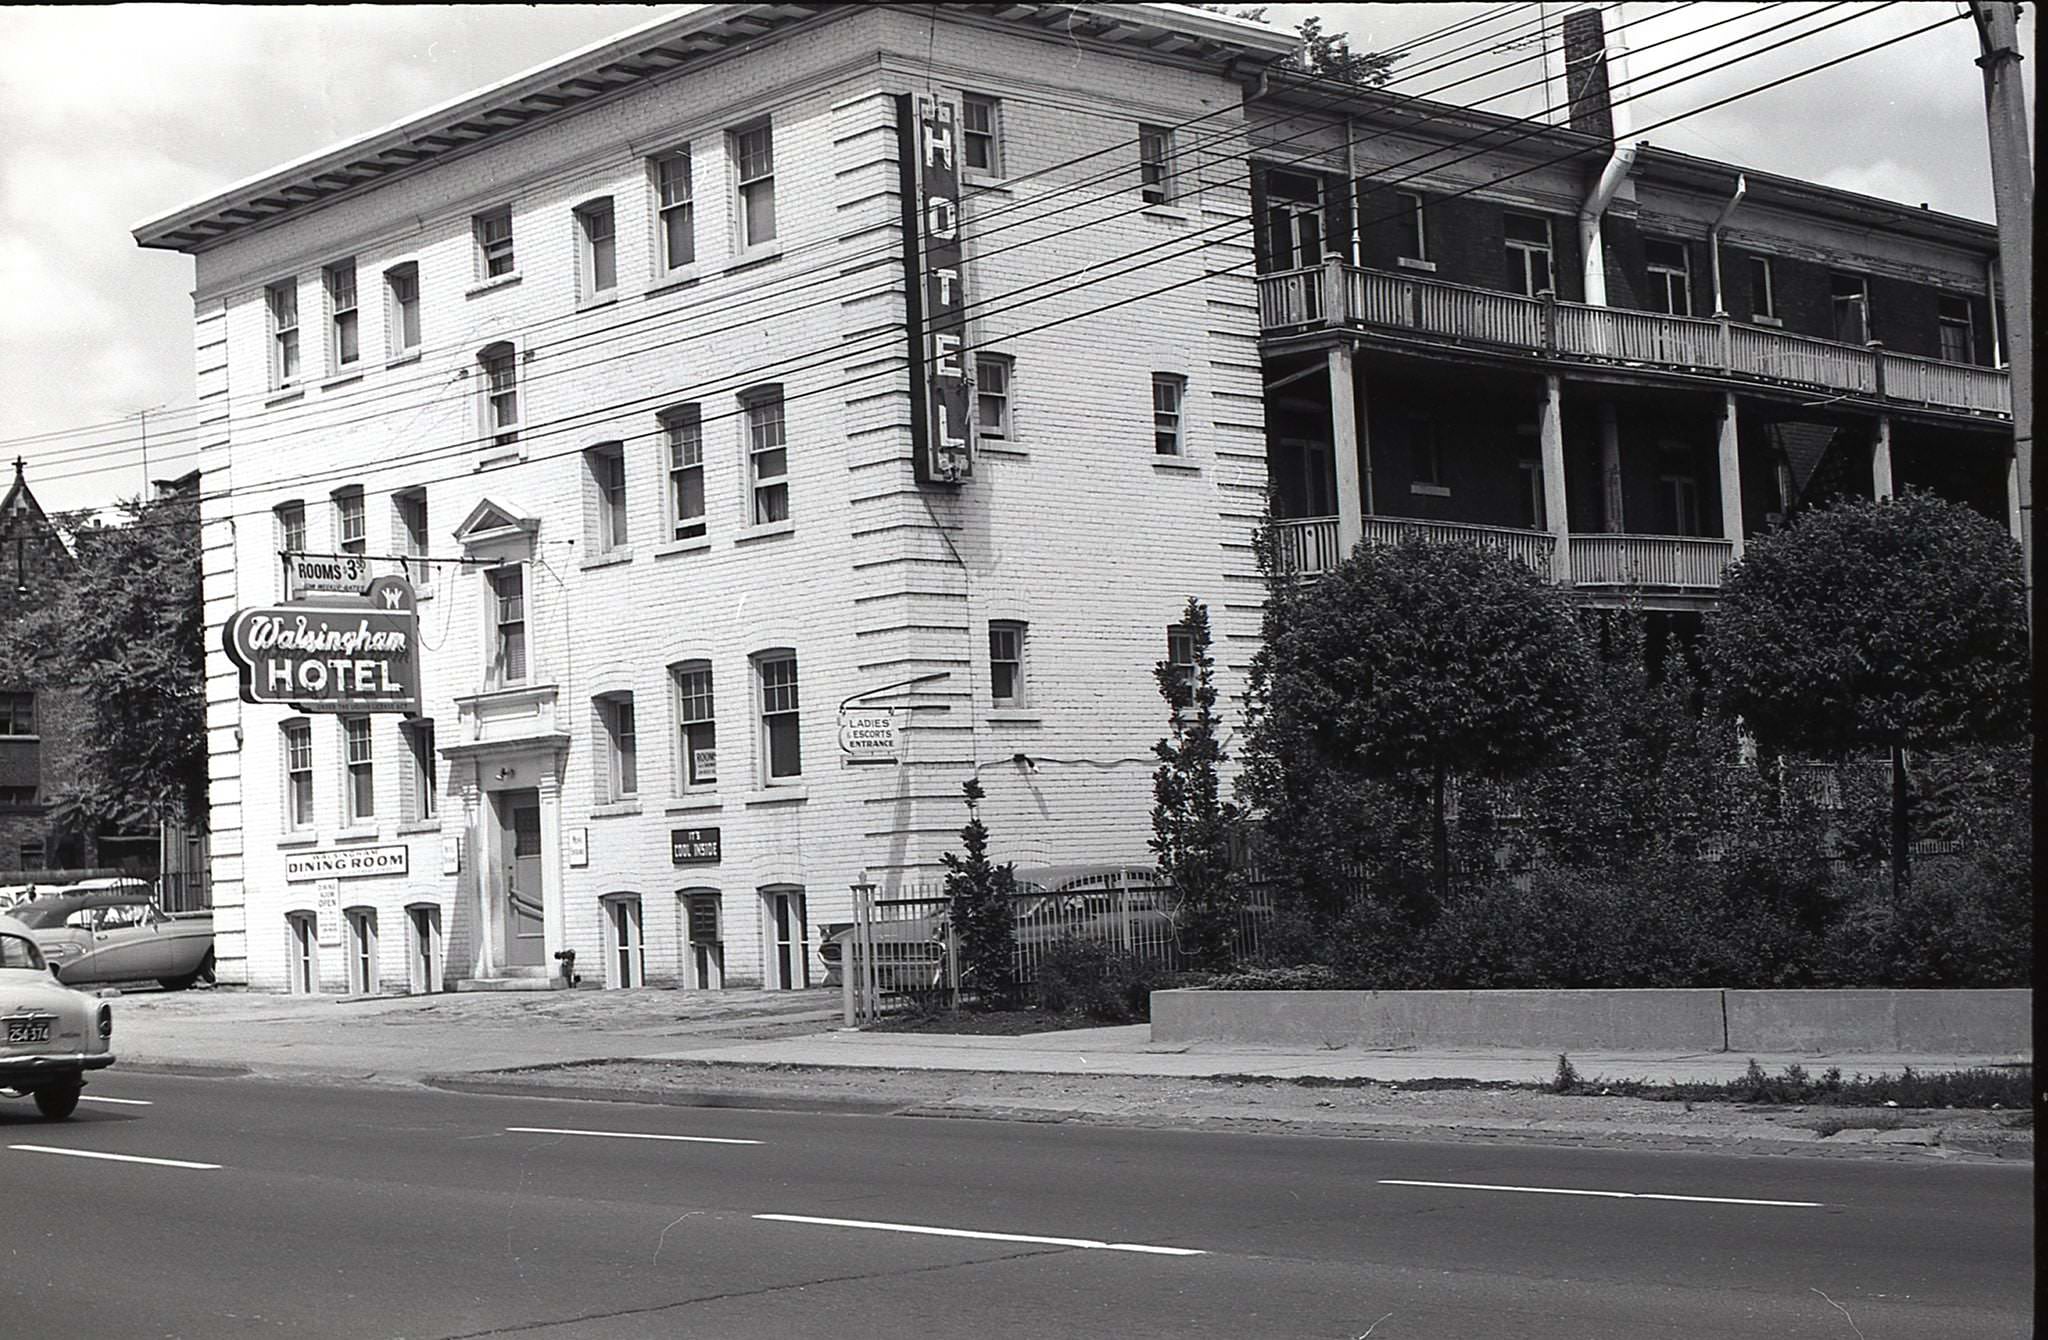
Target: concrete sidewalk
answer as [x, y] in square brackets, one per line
[411, 1037]
[1129, 1050]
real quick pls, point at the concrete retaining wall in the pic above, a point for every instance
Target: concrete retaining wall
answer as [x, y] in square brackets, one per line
[1924, 1023]
[1899, 1023]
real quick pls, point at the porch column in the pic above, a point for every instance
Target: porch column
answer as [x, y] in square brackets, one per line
[473, 879]
[1344, 446]
[1550, 438]
[1611, 519]
[554, 919]
[2014, 499]
[1731, 477]
[1881, 459]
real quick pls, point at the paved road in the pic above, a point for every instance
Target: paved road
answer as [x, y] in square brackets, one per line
[390, 1212]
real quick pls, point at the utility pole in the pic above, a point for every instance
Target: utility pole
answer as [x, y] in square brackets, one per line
[143, 415]
[2012, 193]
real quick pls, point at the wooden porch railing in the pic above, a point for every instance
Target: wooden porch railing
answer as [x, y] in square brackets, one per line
[1307, 545]
[1533, 547]
[1658, 562]
[1293, 299]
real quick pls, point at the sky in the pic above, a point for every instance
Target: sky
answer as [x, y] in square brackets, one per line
[122, 113]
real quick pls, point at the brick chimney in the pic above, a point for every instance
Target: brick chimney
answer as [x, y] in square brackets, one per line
[1585, 73]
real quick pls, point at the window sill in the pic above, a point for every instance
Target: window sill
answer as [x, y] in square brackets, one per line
[1178, 213]
[284, 395]
[1429, 490]
[296, 840]
[757, 255]
[696, 544]
[1178, 465]
[605, 299]
[349, 378]
[356, 835]
[776, 795]
[1014, 716]
[613, 809]
[707, 805]
[751, 533]
[499, 459]
[682, 277]
[1001, 447]
[401, 360]
[422, 826]
[982, 181]
[506, 280]
[1412, 263]
[1773, 322]
[611, 558]
[423, 593]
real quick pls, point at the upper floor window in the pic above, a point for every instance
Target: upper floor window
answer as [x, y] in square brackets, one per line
[607, 466]
[1414, 239]
[675, 200]
[1678, 492]
[781, 744]
[291, 527]
[361, 791]
[1954, 316]
[508, 624]
[499, 366]
[1180, 655]
[980, 144]
[425, 800]
[1670, 275]
[1155, 164]
[1763, 294]
[767, 455]
[1169, 392]
[494, 242]
[992, 395]
[297, 742]
[682, 431]
[409, 515]
[753, 156]
[351, 533]
[1425, 455]
[17, 714]
[1529, 255]
[283, 301]
[1535, 510]
[597, 255]
[696, 725]
[402, 314]
[620, 778]
[1850, 296]
[343, 345]
[1006, 661]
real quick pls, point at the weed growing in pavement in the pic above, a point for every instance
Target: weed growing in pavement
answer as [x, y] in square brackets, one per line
[1984, 1087]
[1567, 1079]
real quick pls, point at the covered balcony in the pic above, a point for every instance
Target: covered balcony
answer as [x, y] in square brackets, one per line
[1336, 294]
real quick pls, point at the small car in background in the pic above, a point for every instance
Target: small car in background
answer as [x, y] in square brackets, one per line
[50, 1035]
[119, 935]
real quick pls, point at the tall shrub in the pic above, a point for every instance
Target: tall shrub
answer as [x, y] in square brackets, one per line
[978, 900]
[1191, 822]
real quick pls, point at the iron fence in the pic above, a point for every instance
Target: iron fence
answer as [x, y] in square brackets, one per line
[903, 949]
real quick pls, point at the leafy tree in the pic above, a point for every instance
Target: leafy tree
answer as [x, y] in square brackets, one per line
[1324, 55]
[979, 893]
[1413, 665]
[1191, 823]
[1896, 625]
[125, 630]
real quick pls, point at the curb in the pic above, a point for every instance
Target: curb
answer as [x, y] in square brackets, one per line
[188, 1069]
[759, 1100]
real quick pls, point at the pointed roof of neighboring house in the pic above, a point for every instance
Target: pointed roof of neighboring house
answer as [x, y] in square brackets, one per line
[20, 499]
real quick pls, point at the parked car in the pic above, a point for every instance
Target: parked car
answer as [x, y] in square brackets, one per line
[119, 935]
[50, 1035]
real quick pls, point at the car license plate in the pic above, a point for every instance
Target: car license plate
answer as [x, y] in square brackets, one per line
[28, 1030]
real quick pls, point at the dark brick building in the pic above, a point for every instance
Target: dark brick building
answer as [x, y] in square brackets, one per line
[38, 722]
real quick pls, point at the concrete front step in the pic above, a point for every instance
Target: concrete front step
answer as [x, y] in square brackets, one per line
[540, 981]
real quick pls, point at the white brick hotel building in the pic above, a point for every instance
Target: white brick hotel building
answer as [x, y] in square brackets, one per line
[614, 358]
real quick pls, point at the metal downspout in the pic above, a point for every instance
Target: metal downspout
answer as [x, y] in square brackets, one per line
[1592, 254]
[1714, 240]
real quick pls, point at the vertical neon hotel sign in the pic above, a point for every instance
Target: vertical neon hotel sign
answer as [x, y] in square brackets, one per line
[942, 435]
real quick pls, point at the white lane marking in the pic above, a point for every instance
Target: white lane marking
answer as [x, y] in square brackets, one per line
[1613, 1195]
[111, 1158]
[124, 1102]
[988, 1237]
[632, 1135]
